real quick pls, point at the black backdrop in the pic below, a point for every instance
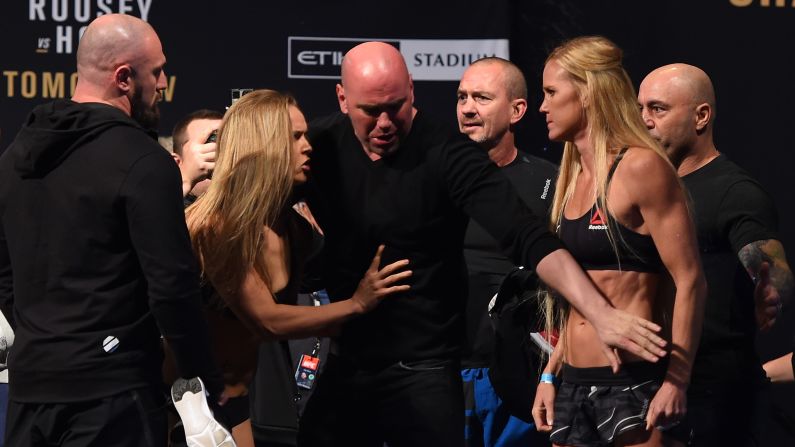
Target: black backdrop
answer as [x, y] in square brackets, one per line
[213, 46]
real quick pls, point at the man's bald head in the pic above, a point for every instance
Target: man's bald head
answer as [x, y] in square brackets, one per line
[678, 106]
[687, 80]
[512, 77]
[377, 94]
[374, 62]
[120, 63]
[111, 40]
[491, 99]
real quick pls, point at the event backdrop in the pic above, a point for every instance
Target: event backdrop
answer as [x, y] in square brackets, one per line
[297, 46]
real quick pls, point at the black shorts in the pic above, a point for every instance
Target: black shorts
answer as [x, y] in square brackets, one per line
[593, 405]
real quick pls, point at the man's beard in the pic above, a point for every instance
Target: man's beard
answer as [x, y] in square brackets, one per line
[145, 115]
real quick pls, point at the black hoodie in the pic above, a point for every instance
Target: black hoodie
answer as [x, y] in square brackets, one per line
[95, 258]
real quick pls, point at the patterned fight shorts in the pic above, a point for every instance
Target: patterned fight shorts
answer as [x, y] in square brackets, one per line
[593, 406]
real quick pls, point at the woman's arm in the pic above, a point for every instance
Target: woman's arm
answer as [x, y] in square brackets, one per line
[655, 190]
[544, 404]
[256, 307]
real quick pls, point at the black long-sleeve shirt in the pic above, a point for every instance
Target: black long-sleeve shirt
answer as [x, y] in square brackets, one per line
[416, 201]
[95, 258]
[534, 180]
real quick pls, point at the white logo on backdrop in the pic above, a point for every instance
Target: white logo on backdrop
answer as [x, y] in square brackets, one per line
[427, 59]
[71, 18]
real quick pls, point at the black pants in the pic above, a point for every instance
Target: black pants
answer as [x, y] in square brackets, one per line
[733, 416]
[131, 418]
[407, 404]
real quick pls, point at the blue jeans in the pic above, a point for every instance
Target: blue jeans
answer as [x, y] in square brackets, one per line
[487, 422]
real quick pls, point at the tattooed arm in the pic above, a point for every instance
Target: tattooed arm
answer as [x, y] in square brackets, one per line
[766, 263]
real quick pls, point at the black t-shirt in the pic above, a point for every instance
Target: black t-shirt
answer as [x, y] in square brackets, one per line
[416, 202]
[534, 180]
[731, 210]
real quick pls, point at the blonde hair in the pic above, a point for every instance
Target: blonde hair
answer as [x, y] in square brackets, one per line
[251, 185]
[610, 105]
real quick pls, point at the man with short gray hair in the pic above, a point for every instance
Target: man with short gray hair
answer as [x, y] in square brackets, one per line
[491, 100]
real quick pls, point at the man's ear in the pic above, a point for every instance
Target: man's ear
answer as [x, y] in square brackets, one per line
[123, 77]
[518, 109]
[703, 116]
[341, 99]
[177, 158]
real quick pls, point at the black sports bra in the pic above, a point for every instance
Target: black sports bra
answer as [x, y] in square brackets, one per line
[586, 239]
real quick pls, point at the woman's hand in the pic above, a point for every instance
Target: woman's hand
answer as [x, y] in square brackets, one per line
[544, 407]
[668, 407]
[378, 284]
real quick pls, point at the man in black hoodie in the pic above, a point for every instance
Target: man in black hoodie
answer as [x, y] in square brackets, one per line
[95, 258]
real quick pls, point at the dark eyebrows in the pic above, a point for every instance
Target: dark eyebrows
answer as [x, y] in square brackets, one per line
[656, 103]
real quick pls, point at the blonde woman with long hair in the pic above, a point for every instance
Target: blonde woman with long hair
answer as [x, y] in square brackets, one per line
[252, 243]
[621, 211]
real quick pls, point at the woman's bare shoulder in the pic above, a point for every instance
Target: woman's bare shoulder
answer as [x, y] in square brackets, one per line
[643, 168]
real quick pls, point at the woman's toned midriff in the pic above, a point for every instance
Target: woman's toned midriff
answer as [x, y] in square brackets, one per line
[633, 292]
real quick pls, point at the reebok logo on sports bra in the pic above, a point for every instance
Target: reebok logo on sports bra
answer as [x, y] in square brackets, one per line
[597, 222]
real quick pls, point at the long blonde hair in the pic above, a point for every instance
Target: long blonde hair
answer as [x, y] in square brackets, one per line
[593, 64]
[251, 184]
[610, 105]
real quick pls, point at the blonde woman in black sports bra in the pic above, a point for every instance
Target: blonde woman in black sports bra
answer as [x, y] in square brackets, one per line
[621, 211]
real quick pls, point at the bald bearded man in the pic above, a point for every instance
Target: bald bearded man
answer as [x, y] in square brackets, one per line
[736, 224]
[95, 259]
[384, 173]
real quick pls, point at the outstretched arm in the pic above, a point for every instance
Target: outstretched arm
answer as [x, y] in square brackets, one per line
[257, 308]
[486, 195]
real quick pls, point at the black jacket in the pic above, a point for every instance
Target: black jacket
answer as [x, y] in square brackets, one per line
[95, 258]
